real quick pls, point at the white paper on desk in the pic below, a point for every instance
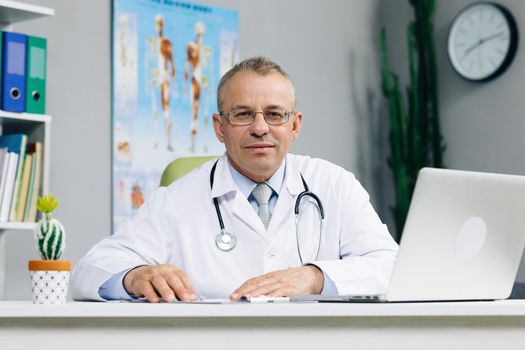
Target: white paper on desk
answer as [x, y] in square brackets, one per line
[198, 301]
[207, 301]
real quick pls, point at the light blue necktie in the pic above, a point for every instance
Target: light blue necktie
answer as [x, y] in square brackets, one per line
[262, 193]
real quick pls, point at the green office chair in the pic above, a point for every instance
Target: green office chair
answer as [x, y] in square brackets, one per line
[180, 167]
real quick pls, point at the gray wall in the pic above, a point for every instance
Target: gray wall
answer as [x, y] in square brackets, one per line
[328, 47]
[482, 123]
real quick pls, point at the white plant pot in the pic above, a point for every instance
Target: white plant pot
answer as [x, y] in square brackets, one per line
[49, 280]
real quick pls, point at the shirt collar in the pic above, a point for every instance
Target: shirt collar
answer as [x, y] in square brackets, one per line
[247, 185]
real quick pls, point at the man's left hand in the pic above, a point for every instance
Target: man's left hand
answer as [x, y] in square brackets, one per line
[283, 283]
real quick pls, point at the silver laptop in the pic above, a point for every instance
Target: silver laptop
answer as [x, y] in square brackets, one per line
[463, 240]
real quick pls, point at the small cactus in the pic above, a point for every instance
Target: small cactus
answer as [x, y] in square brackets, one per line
[50, 234]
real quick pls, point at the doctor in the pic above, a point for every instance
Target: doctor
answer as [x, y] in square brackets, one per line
[174, 247]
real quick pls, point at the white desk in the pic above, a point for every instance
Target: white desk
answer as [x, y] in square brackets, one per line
[97, 326]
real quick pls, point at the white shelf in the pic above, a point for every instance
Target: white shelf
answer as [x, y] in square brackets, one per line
[43, 118]
[14, 11]
[18, 226]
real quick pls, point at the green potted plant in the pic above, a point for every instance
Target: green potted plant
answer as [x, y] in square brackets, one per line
[415, 133]
[49, 276]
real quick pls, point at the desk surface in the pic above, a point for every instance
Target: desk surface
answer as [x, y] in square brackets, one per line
[119, 309]
[429, 326]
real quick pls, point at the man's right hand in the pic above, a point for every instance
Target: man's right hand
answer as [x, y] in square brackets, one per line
[159, 282]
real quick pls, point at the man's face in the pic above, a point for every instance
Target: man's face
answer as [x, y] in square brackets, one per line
[257, 150]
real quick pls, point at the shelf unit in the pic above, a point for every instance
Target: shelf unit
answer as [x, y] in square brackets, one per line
[37, 127]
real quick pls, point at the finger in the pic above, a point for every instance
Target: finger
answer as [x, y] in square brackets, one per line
[241, 291]
[261, 283]
[178, 287]
[262, 291]
[255, 287]
[186, 281]
[149, 292]
[279, 292]
[163, 289]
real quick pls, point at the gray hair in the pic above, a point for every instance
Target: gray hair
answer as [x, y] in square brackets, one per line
[260, 65]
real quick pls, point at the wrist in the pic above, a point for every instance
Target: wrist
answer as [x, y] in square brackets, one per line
[127, 281]
[318, 279]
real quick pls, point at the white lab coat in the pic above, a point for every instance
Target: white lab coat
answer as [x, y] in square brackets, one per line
[178, 225]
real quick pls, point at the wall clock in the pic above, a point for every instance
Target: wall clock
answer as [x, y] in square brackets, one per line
[482, 41]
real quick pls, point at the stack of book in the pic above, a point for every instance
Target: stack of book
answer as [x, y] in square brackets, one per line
[20, 178]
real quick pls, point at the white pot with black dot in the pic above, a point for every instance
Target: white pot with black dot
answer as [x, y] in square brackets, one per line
[49, 280]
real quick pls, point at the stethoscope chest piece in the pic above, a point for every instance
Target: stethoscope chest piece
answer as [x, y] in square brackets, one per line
[225, 241]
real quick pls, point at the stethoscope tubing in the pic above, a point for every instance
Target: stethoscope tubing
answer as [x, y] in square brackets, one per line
[215, 200]
[231, 238]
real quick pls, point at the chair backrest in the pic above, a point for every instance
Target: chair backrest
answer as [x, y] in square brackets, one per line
[180, 167]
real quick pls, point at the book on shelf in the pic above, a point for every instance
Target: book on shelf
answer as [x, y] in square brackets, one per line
[30, 213]
[24, 187]
[4, 162]
[36, 75]
[18, 178]
[7, 198]
[29, 196]
[13, 78]
[15, 143]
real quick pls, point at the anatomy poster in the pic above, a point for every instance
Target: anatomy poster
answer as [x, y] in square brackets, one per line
[167, 59]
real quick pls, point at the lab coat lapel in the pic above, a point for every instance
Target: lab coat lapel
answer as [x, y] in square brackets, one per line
[245, 212]
[238, 204]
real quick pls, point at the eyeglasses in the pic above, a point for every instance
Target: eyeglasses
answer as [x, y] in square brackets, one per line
[247, 116]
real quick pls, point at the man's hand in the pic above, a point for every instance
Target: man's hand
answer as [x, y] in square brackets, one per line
[293, 281]
[157, 282]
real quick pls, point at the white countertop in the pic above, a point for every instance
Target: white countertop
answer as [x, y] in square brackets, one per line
[13, 309]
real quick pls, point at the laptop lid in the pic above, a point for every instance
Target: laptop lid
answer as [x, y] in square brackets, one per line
[463, 237]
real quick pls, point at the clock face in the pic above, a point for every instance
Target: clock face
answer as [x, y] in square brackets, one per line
[482, 41]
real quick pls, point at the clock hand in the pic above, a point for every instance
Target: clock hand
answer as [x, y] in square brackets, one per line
[481, 42]
[493, 36]
[472, 47]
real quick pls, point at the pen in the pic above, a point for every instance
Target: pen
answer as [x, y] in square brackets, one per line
[260, 300]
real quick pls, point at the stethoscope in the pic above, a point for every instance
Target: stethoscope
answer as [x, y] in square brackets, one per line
[226, 241]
